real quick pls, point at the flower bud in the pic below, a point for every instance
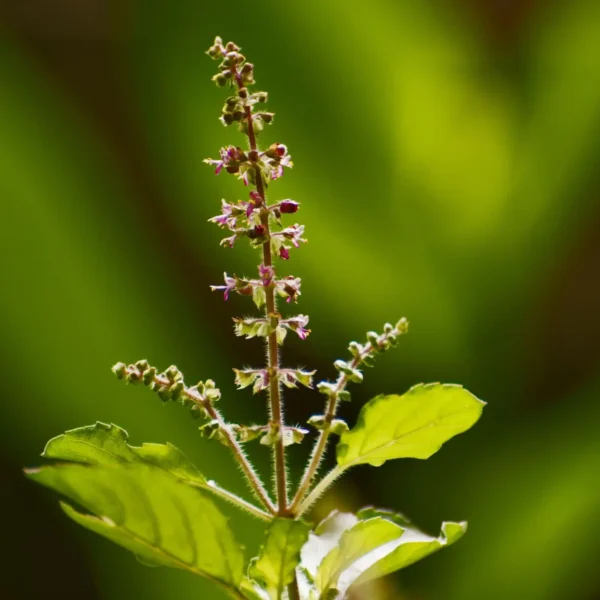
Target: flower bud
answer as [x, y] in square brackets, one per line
[258, 231]
[149, 375]
[266, 117]
[327, 388]
[373, 338]
[338, 426]
[226, 119]
[344, 396]
[216, 50]
[176, 390]
[173, 374]
[220, 79]
[402, 325]
[288, 207]
[260, 97]
[317, 421]
[355, 349]
[256, 198]
[164, 393]
[120, 370]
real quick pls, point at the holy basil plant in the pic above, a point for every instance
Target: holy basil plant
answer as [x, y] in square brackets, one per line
[151, 500]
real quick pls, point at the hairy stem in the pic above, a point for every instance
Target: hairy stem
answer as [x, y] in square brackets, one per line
[272, 346]
[320, 489]
[321, 443]
[238, 453]
[238, 502]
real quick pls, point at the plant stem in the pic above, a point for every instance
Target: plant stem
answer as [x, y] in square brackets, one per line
[232, 498]
[238, 452]
[274, 389]
[293, 590]
[321, 443]
[320, 489]
[272, 346]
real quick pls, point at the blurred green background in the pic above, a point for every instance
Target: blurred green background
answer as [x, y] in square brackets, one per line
[447, 163]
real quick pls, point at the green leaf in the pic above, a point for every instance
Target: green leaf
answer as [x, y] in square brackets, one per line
[323, 539]
[103, 444]
[414, 425]
[354, 543]
[370, 512]
[380, 543]
[279, 556]
[411, 547]
[252, 591]
[152, 513]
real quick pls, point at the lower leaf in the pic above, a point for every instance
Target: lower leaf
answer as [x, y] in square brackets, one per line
[158, 517]
[347, 550]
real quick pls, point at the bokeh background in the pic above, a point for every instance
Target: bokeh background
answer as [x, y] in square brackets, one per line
[447, 163]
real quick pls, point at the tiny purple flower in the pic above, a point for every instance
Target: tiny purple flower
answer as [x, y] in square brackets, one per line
[288, 206]
[267, 274]
[256, 198]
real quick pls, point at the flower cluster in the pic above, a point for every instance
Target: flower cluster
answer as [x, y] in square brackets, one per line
[246, 219]
[286, 287]
[260, 379]
[269, 434]
[250, 327]
[362, 355]
[170, 386]
[246, 164]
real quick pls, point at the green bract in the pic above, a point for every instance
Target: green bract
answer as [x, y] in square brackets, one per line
[414, 425]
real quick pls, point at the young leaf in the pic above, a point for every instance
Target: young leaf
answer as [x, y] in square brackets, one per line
[279, 556]
[325, 538]
[377, 546]
[103, 444]
[146, 510]
[414, 425]
[411, 547]
[354, 543]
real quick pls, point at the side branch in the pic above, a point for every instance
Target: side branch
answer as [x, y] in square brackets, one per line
[135, 374]
[336, 392]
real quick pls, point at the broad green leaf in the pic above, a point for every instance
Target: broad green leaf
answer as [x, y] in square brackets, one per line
[411, 547]
[274, 568]
[414, 425]
[103, 444]
[354, 543]
[148, 511]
